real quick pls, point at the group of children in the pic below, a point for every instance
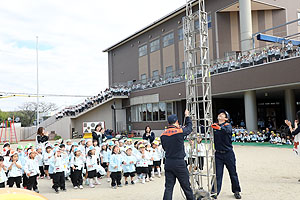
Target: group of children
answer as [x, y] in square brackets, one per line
[85, 161]
[241, 135]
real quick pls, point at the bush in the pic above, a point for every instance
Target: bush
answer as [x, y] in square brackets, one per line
[57, 137]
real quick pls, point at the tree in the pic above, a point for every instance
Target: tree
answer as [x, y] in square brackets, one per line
[3, 116]
[27, 112]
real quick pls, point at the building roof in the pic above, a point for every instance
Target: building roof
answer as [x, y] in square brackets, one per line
[255, 5]
[150, 26]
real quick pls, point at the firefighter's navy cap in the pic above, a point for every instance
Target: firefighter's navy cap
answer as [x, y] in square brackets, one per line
[172, 119]
[225, 112]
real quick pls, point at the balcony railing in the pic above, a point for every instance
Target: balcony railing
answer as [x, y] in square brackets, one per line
[239, 60]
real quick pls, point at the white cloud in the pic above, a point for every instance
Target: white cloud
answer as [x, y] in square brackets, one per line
[77, 32]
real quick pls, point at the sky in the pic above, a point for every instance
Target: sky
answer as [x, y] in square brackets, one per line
[71, 35]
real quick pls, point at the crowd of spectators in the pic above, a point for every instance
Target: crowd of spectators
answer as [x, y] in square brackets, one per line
[240, 134]
[93, 101]
[251, 58]
[254, 57]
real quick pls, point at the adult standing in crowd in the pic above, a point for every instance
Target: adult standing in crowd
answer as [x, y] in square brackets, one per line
[224, 153]
[98, 134]
[172, 141]
[296, 133]
[148, 135]
[42, 137]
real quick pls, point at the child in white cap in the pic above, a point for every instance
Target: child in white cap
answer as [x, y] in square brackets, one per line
[31, 170]
[91, 164]
[115, 167]
[14, 171]
[157, 155]
[142, 163]
[59, 170]
[77, 165]
[3, 169]
[129, 162]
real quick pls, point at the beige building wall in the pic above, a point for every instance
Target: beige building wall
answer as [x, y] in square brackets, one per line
[155, 62]
[211, 46]
[235, 32]
[255, 25]
[143, 66]
[61, 127]
[268, 21]
[181, 53]
[169, 57]
[102, 113]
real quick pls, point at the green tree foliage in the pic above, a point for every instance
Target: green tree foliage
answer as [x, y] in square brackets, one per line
[27, 112]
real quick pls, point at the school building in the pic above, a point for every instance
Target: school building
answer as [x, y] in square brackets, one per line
[259, 95]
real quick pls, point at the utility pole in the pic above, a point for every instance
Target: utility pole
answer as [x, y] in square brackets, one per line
[37, 82]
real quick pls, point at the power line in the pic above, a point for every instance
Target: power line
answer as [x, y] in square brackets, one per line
[20, 94]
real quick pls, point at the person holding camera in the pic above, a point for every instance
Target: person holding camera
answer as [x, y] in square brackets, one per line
[148, 135]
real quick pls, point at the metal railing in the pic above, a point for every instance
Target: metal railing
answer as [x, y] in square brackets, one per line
[253, 57]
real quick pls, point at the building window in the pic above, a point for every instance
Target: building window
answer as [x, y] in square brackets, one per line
[144, 112]
[180, 34]
[155, 111]
[169, 109]
[209, 20]
[169, 71]
[134, 113]
[139, 111]
[168, 39]
[183, 68]
[196, 24]
[155, 75]
[142, 50]
[162, 111]
[144, 78]
[149, 112]
[154, 46]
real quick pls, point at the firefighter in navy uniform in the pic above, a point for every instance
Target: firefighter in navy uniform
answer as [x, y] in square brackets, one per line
[172, 141]
[224, 153]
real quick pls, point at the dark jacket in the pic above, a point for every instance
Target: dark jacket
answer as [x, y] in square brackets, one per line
[222, 138]
[98, 137]
[151, 137]
[296, 131]
[42, 139]
[172, 140]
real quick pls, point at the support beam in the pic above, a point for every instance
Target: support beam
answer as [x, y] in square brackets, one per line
[250, 110]
[245, 24]
[290, 104]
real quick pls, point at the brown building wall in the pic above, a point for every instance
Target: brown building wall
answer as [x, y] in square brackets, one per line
[275, 74]
[143, 66]
[224, 33]
[225, 37]
[155, 62]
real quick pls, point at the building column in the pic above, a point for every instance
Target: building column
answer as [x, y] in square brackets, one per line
[245, 24]
[290, 104]
[250, 110]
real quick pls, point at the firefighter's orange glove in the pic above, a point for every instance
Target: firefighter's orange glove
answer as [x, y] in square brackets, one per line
[216, 126]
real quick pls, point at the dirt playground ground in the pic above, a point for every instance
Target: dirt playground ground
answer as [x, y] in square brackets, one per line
[265, 173]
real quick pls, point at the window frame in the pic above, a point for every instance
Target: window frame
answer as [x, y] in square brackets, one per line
[143, 50]
[152, 45]
[143, 80]
[180, 34]
[170, 73]
[169, 41]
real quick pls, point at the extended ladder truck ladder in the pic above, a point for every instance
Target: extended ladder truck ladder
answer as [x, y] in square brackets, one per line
[199, 101]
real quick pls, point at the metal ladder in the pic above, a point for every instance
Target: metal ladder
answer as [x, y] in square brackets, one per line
[199, 100]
